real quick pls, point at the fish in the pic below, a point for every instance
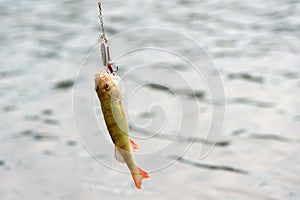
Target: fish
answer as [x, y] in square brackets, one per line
[110, 96]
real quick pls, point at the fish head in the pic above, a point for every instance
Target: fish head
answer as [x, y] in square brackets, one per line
[107, 86]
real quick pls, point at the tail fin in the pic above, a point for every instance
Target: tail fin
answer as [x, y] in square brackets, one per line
[139, 176]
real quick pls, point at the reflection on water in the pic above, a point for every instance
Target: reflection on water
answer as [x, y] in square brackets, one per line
[255, 47]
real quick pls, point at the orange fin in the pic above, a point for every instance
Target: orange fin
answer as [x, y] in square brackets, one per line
[139, 176]
[134, 146]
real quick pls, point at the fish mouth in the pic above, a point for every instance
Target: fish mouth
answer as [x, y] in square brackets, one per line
[99, 76]
[105, 77]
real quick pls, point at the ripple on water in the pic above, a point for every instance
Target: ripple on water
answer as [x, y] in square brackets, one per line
[64, 84]
[246, 77]
[38, 136]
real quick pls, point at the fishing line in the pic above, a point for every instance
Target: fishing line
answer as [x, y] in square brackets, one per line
[105, 55]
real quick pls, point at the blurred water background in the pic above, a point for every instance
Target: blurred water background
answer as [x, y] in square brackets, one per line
[255, 46]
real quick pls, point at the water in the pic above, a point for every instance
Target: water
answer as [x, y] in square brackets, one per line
[254, 46]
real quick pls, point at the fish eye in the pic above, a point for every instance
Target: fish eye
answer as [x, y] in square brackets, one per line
[106, 87]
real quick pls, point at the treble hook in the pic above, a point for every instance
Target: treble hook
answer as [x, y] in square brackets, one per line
[110, 68]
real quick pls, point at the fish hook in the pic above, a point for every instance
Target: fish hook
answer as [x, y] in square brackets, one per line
[110, 68]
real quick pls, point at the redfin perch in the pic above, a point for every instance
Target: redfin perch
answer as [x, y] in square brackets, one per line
[110, 97]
